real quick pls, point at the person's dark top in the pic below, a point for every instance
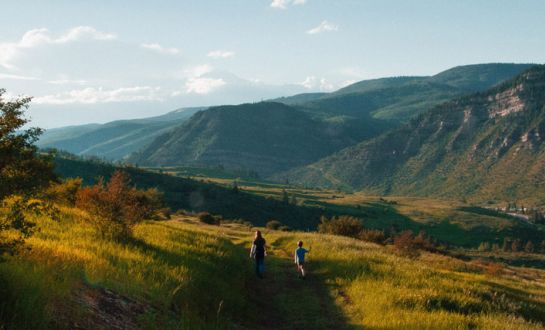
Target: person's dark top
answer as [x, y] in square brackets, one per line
[259, 248]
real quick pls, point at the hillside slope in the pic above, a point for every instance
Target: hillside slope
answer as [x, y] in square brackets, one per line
[485, 146]
[400, 98]
[180, 274]
[114, 140]
[266, 137]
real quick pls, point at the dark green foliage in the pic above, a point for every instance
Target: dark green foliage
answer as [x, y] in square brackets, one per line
[22, 169]
[274, 224]
[208, 218]
[196, 196]
[343, 225]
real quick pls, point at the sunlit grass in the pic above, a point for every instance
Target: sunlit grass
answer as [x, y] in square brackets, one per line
[196, 276]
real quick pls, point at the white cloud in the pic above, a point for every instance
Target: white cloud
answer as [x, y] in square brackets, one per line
[7, 76]
[160, 49]
[283, 4]
[39, 37]
[325, 26]
[198, 70]
[93, 95]
[200, 85]
[221, 54]
[67, 82]
[316, 83]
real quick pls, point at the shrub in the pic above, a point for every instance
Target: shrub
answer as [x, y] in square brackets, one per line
[208, 218]
[117, 206]
[274, 224]
[64, 192]
[343, 225]
[373, 235]
[405, 245]
[284, 228]
[15, 226]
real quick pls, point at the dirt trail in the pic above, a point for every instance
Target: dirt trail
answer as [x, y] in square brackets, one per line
[286, 301]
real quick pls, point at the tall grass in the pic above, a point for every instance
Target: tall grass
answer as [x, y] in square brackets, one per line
[188, 277]
[380, 290]
[195, 276]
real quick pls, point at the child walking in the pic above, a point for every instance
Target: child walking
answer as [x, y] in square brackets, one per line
[300, 258]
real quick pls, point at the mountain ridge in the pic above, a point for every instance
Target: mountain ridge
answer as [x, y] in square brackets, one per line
[486, 145]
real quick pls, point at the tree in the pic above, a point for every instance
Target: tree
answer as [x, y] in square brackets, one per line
[23, 172]
[117, 206]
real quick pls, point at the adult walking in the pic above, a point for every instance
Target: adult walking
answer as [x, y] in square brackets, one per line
[259, 252]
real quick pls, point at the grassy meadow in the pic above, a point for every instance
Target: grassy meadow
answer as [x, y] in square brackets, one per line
[184, 274]
[455, 222]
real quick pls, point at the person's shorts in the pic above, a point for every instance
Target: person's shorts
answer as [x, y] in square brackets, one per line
[300, 263]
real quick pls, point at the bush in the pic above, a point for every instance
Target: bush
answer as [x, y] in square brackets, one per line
[373, 235]
[405, 245]
[343, 225]
[284, 228]
[274, 224]
[64, 192]
[117, 207]
[208, 218]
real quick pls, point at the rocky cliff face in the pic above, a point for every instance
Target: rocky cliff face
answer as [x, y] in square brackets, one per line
[488, 145]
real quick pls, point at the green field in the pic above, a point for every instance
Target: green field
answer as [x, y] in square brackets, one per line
[454, 222]
[182, 274]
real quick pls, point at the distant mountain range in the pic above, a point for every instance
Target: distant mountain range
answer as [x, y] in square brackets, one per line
[400, 98]
[273, 137]
[486, 146]
[114, 140]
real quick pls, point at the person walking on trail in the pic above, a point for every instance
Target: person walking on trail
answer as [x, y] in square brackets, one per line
[300, 258]
[259, 252]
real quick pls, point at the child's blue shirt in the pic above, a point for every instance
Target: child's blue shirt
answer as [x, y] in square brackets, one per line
[300, 255]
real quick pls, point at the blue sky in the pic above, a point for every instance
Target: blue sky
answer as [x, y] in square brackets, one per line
[96, 61]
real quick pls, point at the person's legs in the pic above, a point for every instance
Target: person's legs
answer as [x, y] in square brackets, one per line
[259, 266]
[301, 269]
